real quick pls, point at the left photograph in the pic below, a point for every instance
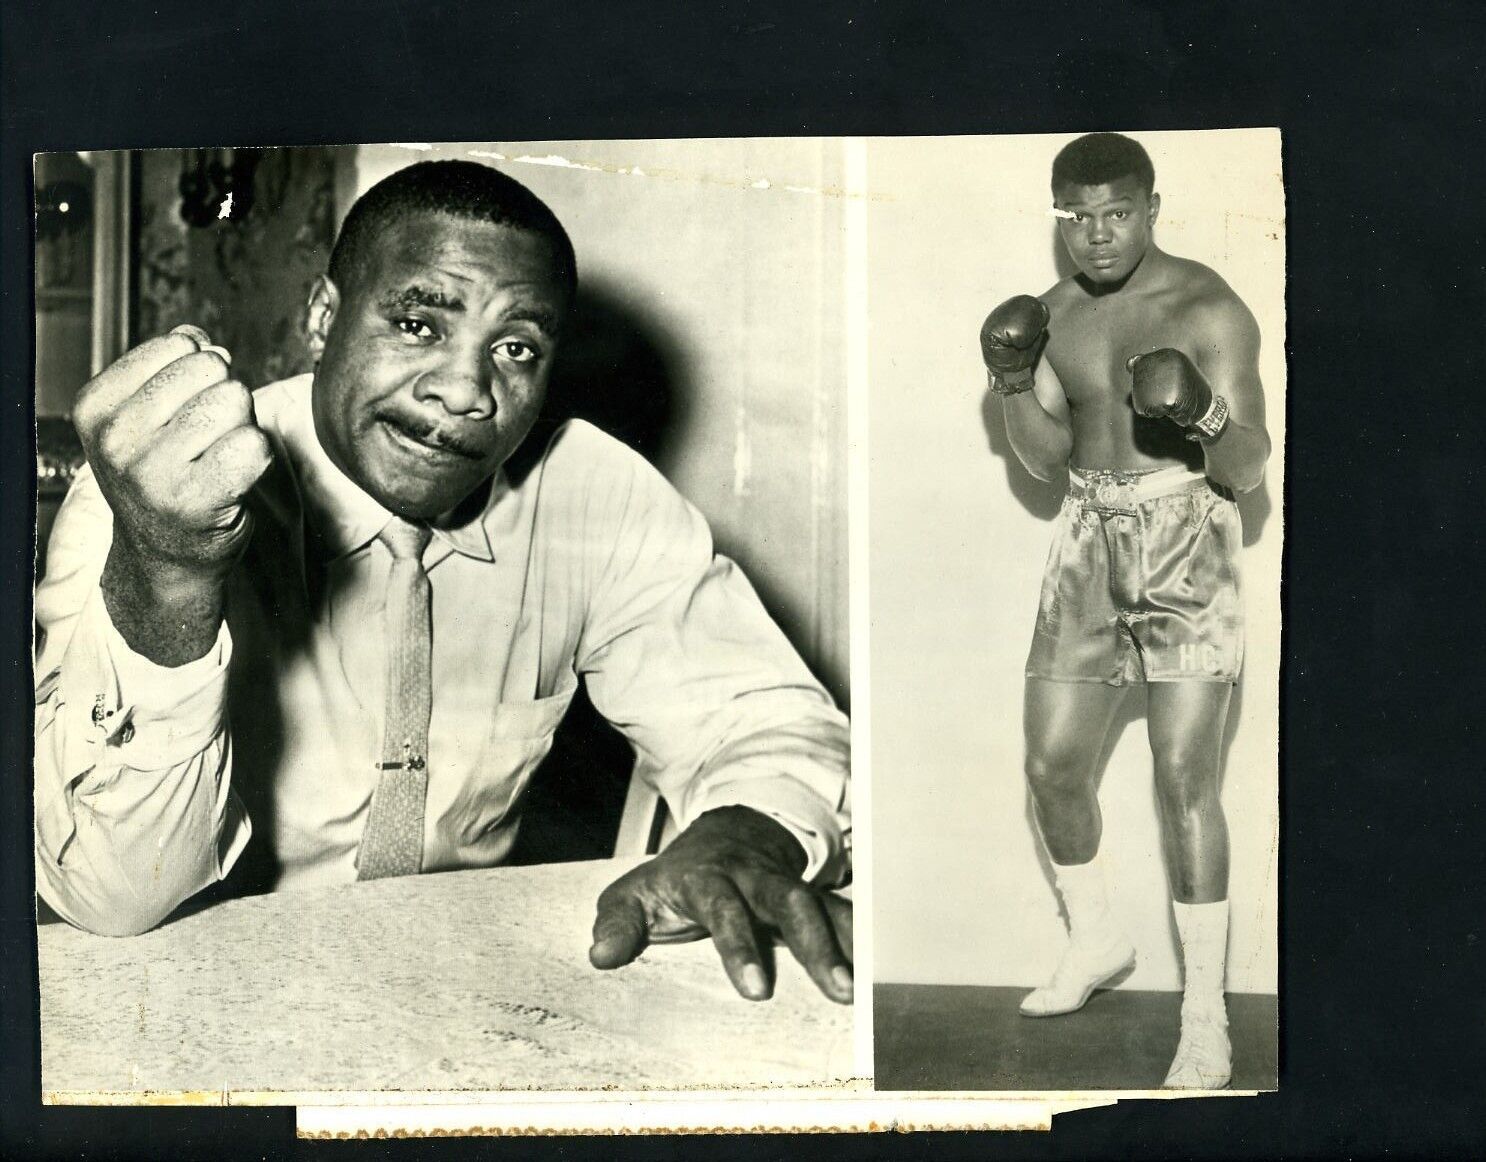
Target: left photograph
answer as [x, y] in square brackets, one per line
[441, 619]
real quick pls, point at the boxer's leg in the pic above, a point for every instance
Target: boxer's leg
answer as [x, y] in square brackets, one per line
[1186, 721]
[1066, 724]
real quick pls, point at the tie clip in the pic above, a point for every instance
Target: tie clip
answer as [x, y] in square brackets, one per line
[415, 763]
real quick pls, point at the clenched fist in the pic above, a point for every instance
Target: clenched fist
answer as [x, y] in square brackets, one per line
[1011, 339]
[174, 446]
[1165, 384]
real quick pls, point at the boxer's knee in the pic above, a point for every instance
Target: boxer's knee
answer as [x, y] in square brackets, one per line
[1058, 773]
[1186, 783]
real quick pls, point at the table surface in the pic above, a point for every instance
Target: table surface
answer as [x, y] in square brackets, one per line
[458, 981]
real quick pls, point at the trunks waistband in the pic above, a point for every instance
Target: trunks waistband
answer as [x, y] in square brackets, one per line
[1115, 489]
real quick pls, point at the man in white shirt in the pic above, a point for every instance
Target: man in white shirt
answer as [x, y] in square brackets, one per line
[216, 618]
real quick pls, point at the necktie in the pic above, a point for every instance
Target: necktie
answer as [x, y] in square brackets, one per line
[392, 844]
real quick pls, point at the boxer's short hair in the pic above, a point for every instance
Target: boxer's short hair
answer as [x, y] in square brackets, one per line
[464, 189]
[1096, 159]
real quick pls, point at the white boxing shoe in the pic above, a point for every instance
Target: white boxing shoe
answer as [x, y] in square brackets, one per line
[1204, 1056]
[1079, 973]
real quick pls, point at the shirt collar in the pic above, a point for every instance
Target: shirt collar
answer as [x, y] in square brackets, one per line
[344, 518]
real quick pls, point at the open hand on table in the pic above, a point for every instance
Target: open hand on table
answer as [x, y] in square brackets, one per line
[733, 874]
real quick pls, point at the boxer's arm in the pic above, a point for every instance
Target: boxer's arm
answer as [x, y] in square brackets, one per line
[1039, 424]
[1230, 360]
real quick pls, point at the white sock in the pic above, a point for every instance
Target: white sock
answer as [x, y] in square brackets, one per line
[1089, 920]
[1204, 933]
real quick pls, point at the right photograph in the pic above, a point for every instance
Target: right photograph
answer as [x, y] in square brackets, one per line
[1075, 478]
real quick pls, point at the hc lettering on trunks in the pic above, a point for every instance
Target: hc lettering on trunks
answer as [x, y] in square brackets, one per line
[1198, 656]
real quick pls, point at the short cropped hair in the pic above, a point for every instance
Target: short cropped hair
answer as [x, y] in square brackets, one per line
[464, 189]
[1097, 159]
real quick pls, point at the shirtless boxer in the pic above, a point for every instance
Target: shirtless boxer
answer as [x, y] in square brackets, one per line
[1138, 376]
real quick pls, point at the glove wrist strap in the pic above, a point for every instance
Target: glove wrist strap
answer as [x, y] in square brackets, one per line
[1211, 425]
[1011, 382]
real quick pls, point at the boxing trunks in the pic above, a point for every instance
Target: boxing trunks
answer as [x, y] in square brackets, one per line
[1142, 581]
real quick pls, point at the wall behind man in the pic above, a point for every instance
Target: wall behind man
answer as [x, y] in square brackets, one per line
[244, 277]
[960, 534]
[709, 335]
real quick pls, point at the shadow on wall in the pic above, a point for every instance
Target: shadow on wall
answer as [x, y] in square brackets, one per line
[619, 372]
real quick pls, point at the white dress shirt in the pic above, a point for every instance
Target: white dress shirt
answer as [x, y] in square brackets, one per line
[590, 563]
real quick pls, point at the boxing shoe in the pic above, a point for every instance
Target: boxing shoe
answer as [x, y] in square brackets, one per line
[1204, 1058]
[1204, 1055]
[1083, 969]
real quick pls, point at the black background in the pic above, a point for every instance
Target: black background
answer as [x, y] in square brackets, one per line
[1383, 1008]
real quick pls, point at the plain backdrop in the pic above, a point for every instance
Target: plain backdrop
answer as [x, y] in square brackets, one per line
[959, 537]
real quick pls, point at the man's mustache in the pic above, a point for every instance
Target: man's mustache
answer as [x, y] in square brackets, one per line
[437, 435]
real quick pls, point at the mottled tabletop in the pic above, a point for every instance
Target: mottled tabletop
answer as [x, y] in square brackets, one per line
[460, 981]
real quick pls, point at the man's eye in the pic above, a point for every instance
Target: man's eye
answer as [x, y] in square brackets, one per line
[415, 328]
[1079, 217]
[1120, 214]
[516, 351]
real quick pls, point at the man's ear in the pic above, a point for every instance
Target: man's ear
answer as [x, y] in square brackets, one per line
[325, 300]
[1155, 207]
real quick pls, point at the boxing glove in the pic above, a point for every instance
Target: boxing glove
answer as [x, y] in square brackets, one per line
[1167, 385]
[1011, 339]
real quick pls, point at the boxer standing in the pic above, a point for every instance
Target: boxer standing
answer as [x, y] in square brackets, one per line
[1139, 376]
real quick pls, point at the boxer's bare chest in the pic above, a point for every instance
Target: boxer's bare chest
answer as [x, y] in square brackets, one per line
[1089, 340]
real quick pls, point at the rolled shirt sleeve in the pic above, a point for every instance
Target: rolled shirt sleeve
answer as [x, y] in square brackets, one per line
[134, 809]
[680, 655]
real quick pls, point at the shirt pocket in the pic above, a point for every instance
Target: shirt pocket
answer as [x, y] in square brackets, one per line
[471, 804]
